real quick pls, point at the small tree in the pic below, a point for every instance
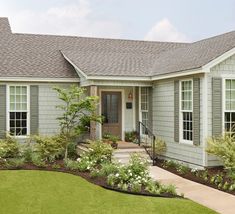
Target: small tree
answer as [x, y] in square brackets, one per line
[78, 110]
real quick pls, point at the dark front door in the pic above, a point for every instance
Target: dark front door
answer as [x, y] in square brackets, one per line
[112, 113]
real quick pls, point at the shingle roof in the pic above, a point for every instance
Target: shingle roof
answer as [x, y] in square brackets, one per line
[119, 57]
[194, 55]
[31, 55]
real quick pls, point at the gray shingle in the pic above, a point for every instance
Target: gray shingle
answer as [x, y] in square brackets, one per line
[30, 55]
[194, 55]
[39, 56]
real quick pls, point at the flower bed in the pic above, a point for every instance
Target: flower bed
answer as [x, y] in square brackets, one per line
[95, 165]
[216, 177]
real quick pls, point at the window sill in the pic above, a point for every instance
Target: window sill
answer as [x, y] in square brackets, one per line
[188, 143]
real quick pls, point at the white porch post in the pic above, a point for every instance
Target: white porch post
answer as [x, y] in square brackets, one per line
[93, 125]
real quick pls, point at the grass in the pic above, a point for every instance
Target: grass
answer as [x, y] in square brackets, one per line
[33, 192]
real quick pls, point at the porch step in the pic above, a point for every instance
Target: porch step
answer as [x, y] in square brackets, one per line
[123, 155]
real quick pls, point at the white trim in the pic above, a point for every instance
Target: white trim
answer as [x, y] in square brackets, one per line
[116, 83]
[178, 74]
[8, 109]
[218, 60]
[205, 119]
[181, 140]
[123, 78]
[76, 67]
[31, 79]
[134, 107]
[122, 110]
[224, 100]
[140, 115]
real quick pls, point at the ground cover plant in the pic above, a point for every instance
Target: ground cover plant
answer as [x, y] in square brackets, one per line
[217, 177]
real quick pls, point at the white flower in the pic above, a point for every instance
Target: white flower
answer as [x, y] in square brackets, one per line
[79, 159]
[117, 175]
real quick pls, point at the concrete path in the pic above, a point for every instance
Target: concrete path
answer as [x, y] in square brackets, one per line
[217, 200]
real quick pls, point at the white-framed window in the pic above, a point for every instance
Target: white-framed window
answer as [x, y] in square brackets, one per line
[144, 105]
[229, 106]
[186, 111]
[18, 110]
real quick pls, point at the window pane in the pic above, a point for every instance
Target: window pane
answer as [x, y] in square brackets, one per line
[228, 84]
[187, 126]
[232, 84]
[18, 110]
[24, 90]
[18, 90]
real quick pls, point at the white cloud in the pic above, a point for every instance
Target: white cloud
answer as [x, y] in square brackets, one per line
[165, 31]
[71, 19]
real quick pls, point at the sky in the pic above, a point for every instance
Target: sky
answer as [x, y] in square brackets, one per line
[158, 20]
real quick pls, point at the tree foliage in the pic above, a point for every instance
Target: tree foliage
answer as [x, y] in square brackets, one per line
[78, 110]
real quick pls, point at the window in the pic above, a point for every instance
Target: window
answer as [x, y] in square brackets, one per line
[229, 114]
[186, 104]
[18, 110]
[144, 105]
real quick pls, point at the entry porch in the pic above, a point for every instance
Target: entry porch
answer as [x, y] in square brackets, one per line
[122, 107]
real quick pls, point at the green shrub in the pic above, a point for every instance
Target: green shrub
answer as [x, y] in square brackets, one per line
[170, 189]
[224, 148]
[134, 175]
[27, 151]
[153, 187]
[160, 146]
[99, 152]
[111, 139]
[109, 168]
[9, 148]
[72, 151]
[72, 165]
[15, 162]
[131, 136]
[38, 161]
[56, 166]
[49, 148]
[182, 169]
[169, 164]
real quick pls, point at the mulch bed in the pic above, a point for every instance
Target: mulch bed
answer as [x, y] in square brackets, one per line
[100, 181]
[191, 176]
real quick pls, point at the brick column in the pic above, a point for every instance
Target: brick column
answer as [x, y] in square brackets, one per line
[93, 125]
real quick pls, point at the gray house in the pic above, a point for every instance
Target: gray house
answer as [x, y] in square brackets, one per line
[184, 92]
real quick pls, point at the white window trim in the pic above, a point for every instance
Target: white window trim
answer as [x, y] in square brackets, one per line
[140, 110]
[8, 110]
[224, 101]
[188, 142]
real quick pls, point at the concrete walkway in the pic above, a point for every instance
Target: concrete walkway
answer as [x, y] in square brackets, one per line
[216, 200]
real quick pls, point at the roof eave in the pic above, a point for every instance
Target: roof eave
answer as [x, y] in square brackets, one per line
[218, 60]
[179, 74]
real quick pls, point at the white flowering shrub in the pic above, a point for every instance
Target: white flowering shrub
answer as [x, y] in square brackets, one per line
[98, 154]
[132, 176]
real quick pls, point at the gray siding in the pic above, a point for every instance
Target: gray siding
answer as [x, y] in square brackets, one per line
[225, 69]
[163, 124]
[48, 100]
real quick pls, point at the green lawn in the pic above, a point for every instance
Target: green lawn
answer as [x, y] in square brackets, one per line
[31, 192]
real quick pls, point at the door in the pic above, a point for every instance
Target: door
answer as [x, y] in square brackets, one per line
[111, 109]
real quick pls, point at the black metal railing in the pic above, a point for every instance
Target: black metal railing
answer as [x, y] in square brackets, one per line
[146, 138]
